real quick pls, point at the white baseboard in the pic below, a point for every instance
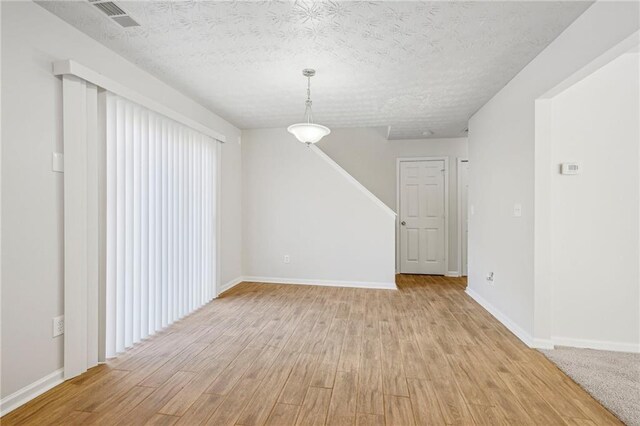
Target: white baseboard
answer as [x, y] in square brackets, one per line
[602, 345]
[230, 284]
[543, 343]
[521, 334]
[29, 392]
[452, 274]
[327, 283]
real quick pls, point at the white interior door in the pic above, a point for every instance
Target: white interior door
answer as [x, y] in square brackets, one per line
[464, 214]
[422, 217]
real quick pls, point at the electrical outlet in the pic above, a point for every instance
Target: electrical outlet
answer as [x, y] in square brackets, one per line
[58, 326]
[57, 162]
[490, 278]
[287, 259]
[517, 210]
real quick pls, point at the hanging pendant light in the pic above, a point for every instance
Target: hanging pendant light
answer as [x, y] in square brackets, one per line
[308, 132]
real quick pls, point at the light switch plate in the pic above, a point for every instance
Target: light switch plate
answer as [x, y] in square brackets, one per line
[57, 162]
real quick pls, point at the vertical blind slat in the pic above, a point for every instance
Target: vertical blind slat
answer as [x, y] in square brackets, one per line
[152, 224]
[111, 271]
[187, 222]
[174, 208]
[161, 183]
[128, 225]
[191, 222]
[158, 242]
[182, 227]
[120, 231]
[164, 213]
[136, 227]
[170, 283]
[144, 232]
[208, 223]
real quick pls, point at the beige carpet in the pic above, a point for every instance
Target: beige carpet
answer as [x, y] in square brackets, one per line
[613, 378]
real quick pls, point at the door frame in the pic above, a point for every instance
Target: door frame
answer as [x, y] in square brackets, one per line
[400, 160]
[459, 161]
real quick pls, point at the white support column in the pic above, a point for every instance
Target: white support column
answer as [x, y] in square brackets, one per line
[81, 225]
[75, 226]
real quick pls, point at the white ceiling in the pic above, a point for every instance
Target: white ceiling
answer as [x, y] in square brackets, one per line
[414, 66]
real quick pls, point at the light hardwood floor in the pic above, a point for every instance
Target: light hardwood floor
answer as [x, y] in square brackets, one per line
[285, 355]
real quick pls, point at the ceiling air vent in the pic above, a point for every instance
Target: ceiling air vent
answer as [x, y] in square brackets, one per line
[125, 21]
[115, 12]
[110, 8]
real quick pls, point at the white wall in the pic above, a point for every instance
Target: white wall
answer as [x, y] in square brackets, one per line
[369, 157]
[231, 211]
[595, 255]
[297, 204]
[502, 151]
[32, 262]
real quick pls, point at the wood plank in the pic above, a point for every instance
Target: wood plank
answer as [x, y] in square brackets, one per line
[257, 411]
[163, 374]
[201, 410]
[426, 409]
[299, 379]
[162, 420]
[229, 411]
[76, 418]
[370, 390]
[227, 379]
[342, 409]
[533, 404]
[157, 399]
[283, 414]
[119, 407]
[364, 419]
[330, 355]
[315, 407]
[398, 411]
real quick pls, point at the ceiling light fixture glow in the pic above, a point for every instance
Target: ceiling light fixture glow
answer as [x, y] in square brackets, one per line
[308, 132]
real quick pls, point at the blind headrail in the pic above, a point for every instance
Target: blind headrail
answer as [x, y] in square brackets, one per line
[69, 66]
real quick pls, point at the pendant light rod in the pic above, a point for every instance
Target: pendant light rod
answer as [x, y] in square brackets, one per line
[308, 114]
[308, 132]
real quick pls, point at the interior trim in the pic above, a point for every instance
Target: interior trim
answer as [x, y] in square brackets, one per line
[603, 345]
[29, 392]
[519, 332]
[229, 285]
[325, 283]
[353, 180]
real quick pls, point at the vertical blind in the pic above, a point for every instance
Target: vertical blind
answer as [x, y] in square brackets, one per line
[161, 217]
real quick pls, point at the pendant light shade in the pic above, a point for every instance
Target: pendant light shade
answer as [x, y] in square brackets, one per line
[308, 132]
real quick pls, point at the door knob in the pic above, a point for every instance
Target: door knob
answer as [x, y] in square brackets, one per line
[403, 223]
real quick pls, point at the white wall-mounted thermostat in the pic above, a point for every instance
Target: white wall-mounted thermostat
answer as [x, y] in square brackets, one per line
[570, 168]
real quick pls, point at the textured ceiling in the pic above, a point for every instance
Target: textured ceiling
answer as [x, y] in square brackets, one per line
[421, 68]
